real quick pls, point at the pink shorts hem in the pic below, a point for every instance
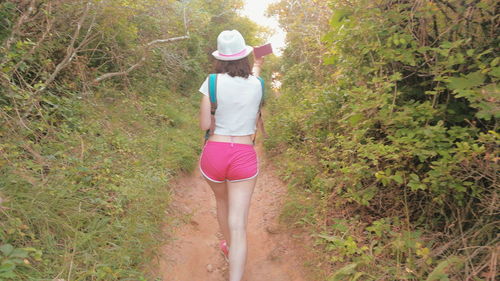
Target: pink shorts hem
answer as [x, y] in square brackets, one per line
[226, 180]
[208, 178]
[232, 162]
[245, 179]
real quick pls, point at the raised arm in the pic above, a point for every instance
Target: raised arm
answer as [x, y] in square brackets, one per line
[257, 64]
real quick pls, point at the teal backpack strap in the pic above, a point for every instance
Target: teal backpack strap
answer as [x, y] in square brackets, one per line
[263, 90]
[212, 92]
[260, 106]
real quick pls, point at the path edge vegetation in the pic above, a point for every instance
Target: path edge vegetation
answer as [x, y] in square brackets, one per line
[98, 107]
[386, 131]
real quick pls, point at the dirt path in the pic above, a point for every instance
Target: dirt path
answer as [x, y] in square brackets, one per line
[194, 255]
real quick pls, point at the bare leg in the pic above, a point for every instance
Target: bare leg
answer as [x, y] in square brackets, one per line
[221, 199]
[240, 194]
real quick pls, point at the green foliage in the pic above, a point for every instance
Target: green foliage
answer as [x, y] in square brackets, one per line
[7, 14]
[94, 194]
[443, 268]
[398, 119]
[85, 168]
[11, 258]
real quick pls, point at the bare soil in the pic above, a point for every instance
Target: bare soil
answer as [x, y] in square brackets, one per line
[193, 253]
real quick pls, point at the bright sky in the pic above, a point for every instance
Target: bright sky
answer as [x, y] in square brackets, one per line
[255, 10]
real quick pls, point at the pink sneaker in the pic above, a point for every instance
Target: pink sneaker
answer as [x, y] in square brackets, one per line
[224, 249]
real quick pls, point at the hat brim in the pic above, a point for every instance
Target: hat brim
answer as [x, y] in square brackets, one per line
[247, 51]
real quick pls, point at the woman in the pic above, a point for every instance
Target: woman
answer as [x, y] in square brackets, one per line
[229, 162]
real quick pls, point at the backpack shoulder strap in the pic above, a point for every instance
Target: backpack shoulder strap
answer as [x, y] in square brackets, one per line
[263, 90]
[260, 108]
[212, 90]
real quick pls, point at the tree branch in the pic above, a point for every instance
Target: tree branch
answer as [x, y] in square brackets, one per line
[70, 50]
[17, 28]
[147, 47]
[157, 41]
[48, 28]
[141, 60]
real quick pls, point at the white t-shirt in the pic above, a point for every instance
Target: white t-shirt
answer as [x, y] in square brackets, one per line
[238, 101]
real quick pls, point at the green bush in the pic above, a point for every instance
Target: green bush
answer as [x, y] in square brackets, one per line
[85, 163]
[399, 126]
[90, 200]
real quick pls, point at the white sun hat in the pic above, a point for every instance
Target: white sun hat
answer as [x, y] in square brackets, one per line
[231, 46]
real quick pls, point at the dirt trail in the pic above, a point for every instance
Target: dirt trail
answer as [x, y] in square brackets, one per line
[194, 255]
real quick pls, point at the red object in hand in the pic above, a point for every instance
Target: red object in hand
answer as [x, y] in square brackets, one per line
[263, 50]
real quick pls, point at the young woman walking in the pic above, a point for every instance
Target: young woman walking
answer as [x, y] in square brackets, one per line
[229, 161]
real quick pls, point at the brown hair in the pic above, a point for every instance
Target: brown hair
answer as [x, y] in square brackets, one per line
[234, 68]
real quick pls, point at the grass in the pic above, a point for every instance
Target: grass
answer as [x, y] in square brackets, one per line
[87, 200]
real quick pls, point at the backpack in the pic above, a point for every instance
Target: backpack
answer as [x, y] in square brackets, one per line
[212, 90]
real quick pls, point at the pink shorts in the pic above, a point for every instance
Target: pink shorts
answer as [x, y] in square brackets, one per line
[221, 161]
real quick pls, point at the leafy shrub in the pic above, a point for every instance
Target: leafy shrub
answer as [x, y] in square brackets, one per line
[399, 127]
[91, 198]
[85, 161]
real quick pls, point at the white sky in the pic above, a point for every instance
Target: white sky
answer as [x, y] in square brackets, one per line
[255, 10]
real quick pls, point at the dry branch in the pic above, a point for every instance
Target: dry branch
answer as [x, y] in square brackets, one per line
[17, 28]
[48, 28]
[147, 47]
[70, 50]
[141, 60]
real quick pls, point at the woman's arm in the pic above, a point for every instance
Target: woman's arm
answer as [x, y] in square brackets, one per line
[205, 118]
[257, 64]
